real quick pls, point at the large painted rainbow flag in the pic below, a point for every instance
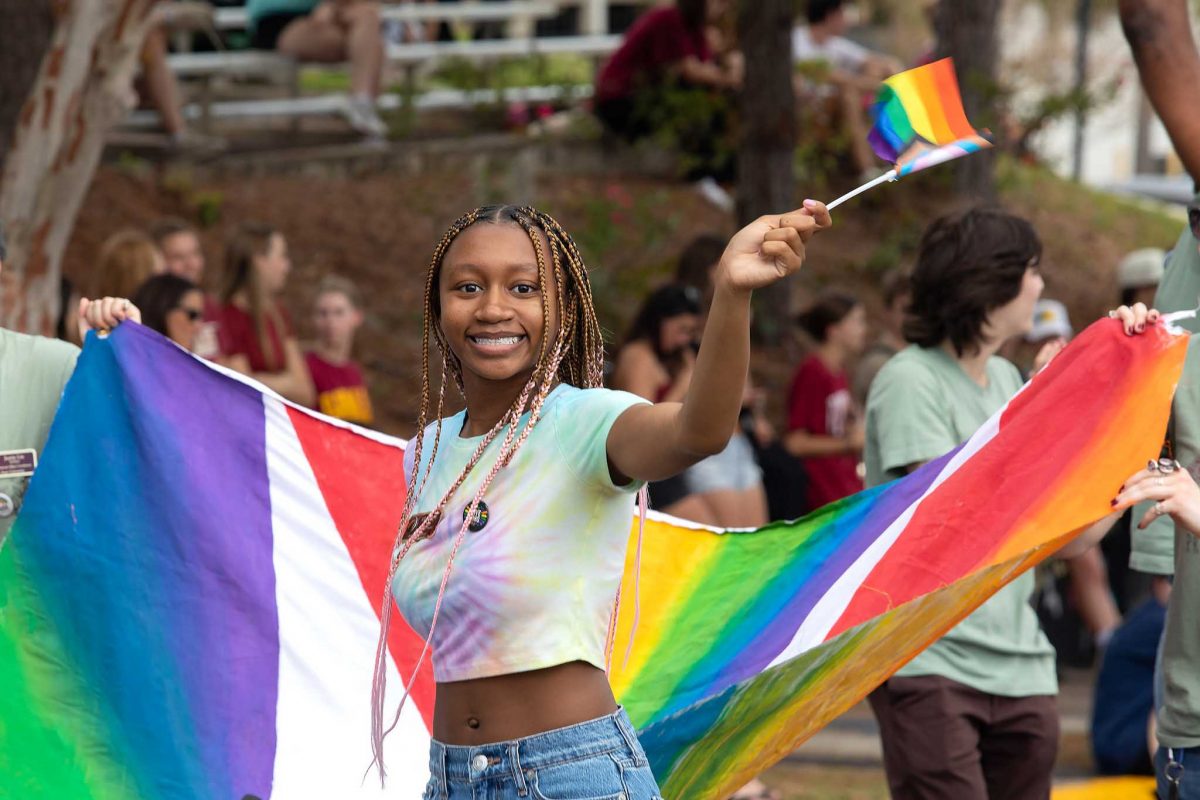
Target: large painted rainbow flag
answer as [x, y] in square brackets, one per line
[188, 599]
[919, 119]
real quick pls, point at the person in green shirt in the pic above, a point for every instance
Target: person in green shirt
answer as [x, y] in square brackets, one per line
[973, 716]
[1160, 35]
[33, 372]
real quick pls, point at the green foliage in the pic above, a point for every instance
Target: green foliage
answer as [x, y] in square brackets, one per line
[557, 69]
[1033, 190]
[208, 205]
[694, 123]
[323, 80]
[204, 205]
[620, 221]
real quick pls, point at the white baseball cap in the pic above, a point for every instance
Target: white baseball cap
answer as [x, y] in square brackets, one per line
[1141, 268]
[1050, 321]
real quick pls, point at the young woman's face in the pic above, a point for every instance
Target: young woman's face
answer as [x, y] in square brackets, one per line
[1015, 318]
[677, 332]
[274, 265]
[184, 320]
[850, 333]
[715, 10]
[335, 318]
[491, 306]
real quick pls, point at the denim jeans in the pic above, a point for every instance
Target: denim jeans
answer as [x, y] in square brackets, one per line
[596, 760]
[1183, 765]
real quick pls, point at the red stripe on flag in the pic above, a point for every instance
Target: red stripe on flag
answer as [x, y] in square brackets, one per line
[1036, 474]
[363, 483]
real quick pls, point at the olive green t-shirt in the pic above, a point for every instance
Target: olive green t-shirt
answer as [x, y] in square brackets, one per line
[921, 406]
[1153, 550]
[33, 372]
[1179, 719]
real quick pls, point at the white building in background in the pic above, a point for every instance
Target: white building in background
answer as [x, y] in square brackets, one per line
[1118, 134]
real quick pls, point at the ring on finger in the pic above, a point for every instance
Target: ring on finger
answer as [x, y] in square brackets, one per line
[1167, 465]
[1159, 509]
[1153, 465]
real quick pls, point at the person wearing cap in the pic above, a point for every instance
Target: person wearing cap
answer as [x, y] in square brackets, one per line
[1160, 35]
[33, 373]
[1139, 275]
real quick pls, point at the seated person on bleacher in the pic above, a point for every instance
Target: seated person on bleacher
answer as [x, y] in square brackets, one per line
[331, 31]
[670, 48]
[833, 68]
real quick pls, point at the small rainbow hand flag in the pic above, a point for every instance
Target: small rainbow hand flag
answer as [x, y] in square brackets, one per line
[919, 119]
[920, 122]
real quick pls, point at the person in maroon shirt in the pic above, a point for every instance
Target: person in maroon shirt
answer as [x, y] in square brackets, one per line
[825, 429]
[254, 329]
[670, 48]
[337, 315]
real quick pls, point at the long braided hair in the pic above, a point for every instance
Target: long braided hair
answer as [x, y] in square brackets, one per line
[572, 354]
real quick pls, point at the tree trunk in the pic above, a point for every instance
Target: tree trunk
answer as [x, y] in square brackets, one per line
[28, 25]
[84, 86]
[768, 132]
[966, 32]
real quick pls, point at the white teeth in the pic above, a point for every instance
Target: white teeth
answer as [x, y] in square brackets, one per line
[496, 342]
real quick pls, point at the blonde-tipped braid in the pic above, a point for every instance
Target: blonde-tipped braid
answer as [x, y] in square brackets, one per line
[574, 354]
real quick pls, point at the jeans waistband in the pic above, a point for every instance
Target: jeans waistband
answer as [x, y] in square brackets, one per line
[473, 763]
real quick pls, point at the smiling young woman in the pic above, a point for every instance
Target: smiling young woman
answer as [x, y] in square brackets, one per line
[513, 537]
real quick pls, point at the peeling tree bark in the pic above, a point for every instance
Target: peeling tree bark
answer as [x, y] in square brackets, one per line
[84, 86]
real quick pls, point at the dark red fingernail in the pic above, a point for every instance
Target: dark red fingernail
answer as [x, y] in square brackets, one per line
[1141, 327]
[1114, 502]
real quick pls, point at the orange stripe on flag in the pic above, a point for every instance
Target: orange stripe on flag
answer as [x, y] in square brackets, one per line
[943, 76]
[935, 104]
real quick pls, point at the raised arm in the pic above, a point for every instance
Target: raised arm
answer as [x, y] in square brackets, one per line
[652, 442]
[1160, 34]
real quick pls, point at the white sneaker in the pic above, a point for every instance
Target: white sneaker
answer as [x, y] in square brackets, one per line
[711, 191]
[360, 113]
[190, 141]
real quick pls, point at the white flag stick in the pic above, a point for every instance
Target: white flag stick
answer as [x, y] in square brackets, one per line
[890, 175]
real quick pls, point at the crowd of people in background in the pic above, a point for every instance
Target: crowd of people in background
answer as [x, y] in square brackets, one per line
[235, 315]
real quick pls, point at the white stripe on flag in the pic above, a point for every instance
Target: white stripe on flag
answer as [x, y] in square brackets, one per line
[829, 609]
[327, 634]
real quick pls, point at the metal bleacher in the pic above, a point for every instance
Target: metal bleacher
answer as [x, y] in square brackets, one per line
[207, 72]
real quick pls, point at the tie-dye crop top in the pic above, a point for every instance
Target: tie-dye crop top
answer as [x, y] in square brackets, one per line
[534, 580]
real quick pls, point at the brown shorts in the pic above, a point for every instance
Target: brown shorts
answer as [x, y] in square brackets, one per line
[946, 741]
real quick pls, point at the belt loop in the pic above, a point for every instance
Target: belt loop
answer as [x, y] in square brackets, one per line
[443, 777]
[630, 737]
[514, 755]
